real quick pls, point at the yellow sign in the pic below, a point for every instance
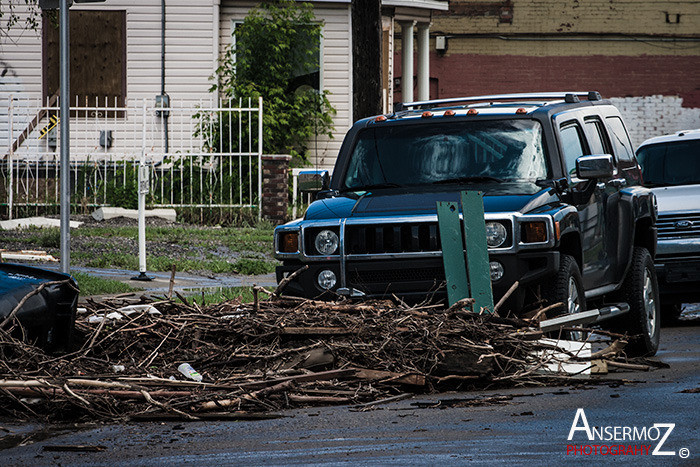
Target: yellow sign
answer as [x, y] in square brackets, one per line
[53, 121]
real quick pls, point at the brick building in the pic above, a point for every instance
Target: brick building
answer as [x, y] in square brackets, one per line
[645, 55]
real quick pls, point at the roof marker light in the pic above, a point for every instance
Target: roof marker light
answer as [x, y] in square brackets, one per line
[449, 113]
[472, 112]
[427, 114]
[521, 111]
[381, 118]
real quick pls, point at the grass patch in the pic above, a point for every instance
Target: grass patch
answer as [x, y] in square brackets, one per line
[219, 295]
[257, 239]
[92, 285]
[252, 267]
[115, 260]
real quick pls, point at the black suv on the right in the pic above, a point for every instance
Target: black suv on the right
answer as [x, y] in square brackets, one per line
[565, 213]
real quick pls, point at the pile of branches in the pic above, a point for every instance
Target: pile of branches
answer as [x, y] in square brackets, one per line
[258, 358]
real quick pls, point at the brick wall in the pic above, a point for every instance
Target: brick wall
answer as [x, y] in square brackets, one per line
[650, 116]
[644, 54]
[275, 188]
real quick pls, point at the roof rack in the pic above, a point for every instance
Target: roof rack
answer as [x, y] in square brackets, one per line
[569, 97]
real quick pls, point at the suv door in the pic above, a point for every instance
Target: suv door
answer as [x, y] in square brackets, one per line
[616, 221]
[589, 203]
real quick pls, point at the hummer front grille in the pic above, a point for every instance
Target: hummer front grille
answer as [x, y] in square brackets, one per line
[392, 238]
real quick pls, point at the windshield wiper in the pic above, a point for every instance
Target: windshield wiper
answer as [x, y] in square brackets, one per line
[374, 187]
[478, 179]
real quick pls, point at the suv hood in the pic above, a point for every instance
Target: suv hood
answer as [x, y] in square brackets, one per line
[399, 203]
[684, 198]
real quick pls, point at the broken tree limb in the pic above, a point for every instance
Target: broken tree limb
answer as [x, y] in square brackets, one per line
[505, 297]
[318, 399]
[411, 379]
[610, 351]
[627, 366]
[284, 282]
[216, 404]
[461, 304]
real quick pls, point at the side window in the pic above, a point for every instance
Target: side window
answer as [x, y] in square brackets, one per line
[596, 136]
[571, 145]
[620, 141]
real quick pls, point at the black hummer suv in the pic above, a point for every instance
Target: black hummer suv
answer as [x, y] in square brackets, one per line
[565, 213]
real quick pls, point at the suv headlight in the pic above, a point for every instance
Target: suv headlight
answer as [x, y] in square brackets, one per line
[326, 242]
[496, 234]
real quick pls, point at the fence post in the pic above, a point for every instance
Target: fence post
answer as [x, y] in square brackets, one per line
[142, 191]
[11, 155]
[260, 153]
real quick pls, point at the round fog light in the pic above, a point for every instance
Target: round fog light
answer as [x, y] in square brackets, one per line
[326, 279]
[496, 270]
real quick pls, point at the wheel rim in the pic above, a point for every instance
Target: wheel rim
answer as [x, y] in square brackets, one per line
[574, 306]
[650, 303]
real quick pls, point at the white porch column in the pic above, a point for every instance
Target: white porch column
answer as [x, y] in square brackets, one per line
[423, 69]
[407, 60]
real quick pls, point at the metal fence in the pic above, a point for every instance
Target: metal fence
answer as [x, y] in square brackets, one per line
[198, 156]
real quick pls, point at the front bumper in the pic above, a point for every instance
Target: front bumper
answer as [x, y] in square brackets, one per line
[677, 266]
[417, 278]
[679, 280]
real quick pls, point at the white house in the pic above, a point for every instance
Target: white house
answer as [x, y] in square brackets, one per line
[117, 59]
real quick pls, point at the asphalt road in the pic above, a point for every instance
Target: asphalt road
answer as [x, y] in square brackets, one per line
[525, 426]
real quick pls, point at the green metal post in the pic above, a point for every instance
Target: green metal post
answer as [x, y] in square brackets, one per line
[477, 251]
[452, 251]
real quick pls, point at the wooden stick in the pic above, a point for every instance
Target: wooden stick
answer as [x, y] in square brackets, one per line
[318, 399]
[154, 354]
[544, 311]
[459, 304]
[628, 366]
[150, 400]
[172, 281]
[400, 397]
[505, 297]
[71, 393]
[283, 283]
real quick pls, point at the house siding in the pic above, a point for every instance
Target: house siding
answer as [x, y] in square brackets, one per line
[189, 64]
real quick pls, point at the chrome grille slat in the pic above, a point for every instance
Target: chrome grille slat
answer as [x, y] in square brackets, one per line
[667, 227]
[388, 238]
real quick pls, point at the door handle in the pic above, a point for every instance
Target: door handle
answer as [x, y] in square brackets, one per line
[617, 182]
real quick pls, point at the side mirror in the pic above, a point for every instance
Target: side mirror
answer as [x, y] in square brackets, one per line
[313, 180]
[598, 166]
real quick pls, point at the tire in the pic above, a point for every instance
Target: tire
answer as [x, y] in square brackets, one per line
[641, 291]
[566, 286]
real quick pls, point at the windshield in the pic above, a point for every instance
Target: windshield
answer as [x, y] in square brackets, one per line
[675, 163]
[454, 152]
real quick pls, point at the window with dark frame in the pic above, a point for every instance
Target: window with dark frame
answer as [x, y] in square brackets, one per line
[97, 58]
[571, 145]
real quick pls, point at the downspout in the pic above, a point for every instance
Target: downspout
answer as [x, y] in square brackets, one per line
[165, 102]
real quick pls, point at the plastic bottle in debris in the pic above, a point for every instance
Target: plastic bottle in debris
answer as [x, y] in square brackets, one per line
[187, 370]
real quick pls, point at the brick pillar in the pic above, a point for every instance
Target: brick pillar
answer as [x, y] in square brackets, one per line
[275, 194]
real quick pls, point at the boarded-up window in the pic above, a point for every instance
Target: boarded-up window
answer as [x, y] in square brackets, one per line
[97, 57]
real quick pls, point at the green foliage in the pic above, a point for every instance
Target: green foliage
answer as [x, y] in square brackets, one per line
[277, 45]
[120, 189]
[92, 285]
[50, 238]
[9, 17]
[220, 295]
[253, 266]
